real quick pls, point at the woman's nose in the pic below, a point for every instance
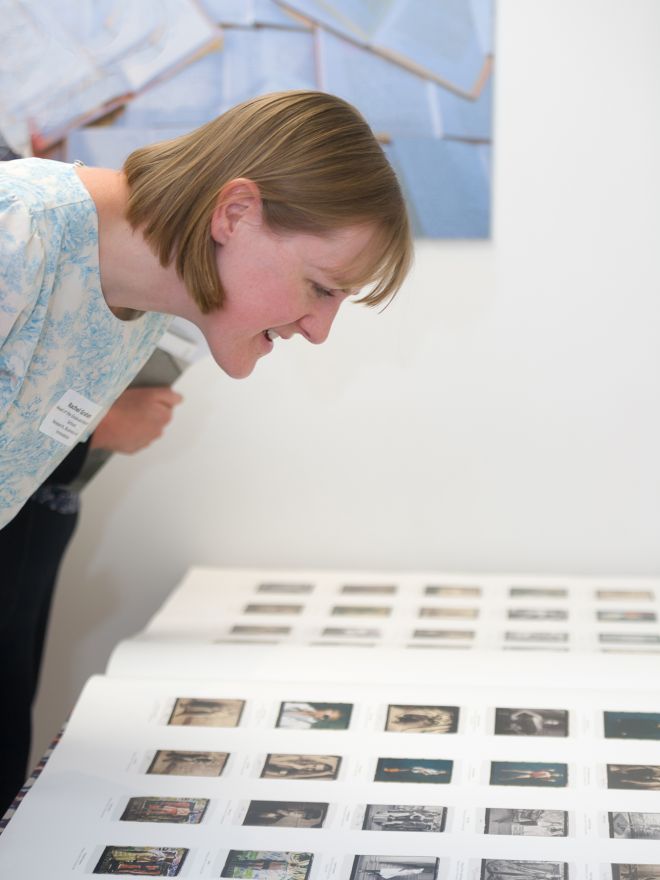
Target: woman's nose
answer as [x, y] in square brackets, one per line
[317, 325]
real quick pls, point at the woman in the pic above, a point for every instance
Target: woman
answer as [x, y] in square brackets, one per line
[255, 226]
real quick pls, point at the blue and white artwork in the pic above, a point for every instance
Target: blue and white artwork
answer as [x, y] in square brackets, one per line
[420, 71]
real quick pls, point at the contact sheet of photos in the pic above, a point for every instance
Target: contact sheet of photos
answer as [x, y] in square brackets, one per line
[290, 781]
[460, 613]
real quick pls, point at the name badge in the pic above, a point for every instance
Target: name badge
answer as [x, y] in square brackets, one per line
[68, 419]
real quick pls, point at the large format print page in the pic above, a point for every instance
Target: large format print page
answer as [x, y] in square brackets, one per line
[296, 780]
[449, 612]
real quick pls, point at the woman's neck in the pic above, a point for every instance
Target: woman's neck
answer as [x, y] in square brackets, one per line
[131, 274]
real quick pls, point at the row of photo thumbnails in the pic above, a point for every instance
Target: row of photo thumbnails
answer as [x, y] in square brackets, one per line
[435, 771]
[515, 638]
[417, 818]
[465, 592]
[454, 612]
[271, 865]
[405, 718]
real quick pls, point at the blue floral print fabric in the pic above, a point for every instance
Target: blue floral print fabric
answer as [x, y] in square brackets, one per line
[57, 334]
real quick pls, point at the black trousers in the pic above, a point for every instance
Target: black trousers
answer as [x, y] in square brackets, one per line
[31, 549]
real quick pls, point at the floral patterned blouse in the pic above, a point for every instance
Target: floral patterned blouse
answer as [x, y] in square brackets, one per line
[64, 357]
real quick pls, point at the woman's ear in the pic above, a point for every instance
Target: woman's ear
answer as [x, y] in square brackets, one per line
[238, 201]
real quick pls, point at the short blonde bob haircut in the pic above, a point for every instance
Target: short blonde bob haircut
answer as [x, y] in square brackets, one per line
[318, 168]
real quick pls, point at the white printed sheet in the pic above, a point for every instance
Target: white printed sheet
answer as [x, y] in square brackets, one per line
[295, 780]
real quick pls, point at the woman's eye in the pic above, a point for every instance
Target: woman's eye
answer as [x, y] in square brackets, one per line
[320, 290]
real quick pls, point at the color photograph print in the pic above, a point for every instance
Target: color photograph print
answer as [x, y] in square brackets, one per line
[632, 725]
[170, 762]
[202, 712]
[450, 634]
[267, 865]
[531, 722]
[635, 777]
[454, 592]
[526, 823]
[286, 814]
[422, 719]
[404, 817]
[510, 869]
[626, 595]
[361, 611]
[271, 608]
[314, 716]
[351, 632]
[634, 826]
[369, 590]
[390, 867]
[447, 612]
[626, 616]
[256, 630]
[184, 811]
[430, 770]
[529, 774]
[635, 872]
[285, 589]
[538, 593]
[150, 861]
[278, 766]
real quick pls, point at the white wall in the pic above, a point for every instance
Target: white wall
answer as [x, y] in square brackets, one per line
[502, 414]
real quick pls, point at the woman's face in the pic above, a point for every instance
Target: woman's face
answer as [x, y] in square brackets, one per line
[276, 286]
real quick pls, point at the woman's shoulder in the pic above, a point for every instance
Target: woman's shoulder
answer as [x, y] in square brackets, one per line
[40, 184]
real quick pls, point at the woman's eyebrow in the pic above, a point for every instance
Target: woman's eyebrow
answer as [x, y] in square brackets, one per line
[334, 275]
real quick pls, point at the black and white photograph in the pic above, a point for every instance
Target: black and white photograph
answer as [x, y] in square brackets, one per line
[203, 712]
[516, 869]
[531, 722]
[393, 867]
[286, 814]
[634, 826]
[404, 817]
[422, 719]
[635, 777]
[631, 725]
[537, 614]
[529, 774]
[636, 872]
[629, 638]
[279, 766]
[177, 762]
[314, 716]
[526, 823]
[538, 637]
